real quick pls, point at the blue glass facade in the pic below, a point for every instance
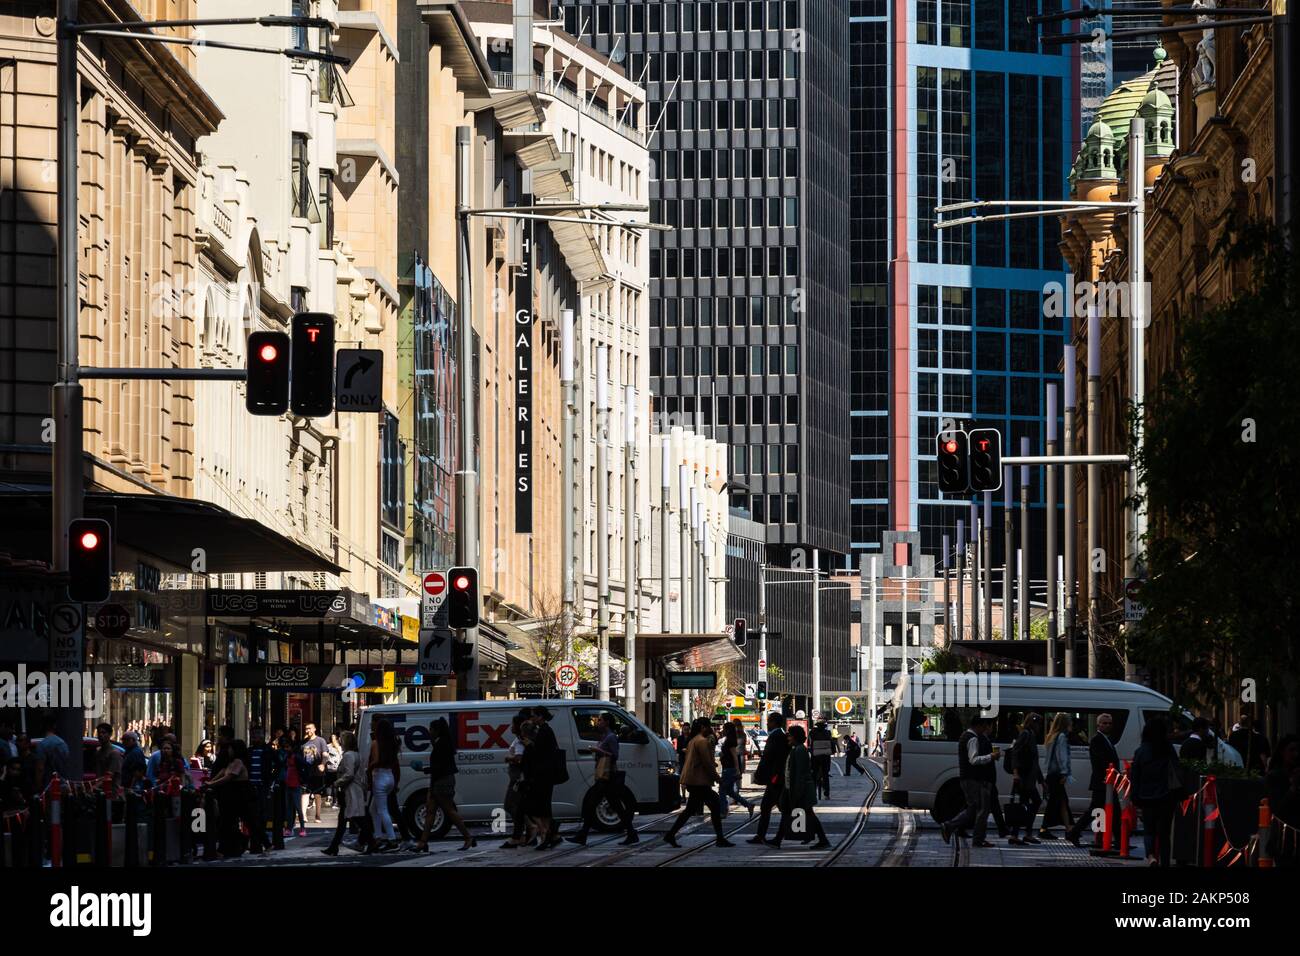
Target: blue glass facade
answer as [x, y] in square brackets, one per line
[986, 116]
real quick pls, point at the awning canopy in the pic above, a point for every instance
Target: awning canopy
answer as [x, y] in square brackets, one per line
[165, 527]
[514, 109]
[451, 30]
[682, 652]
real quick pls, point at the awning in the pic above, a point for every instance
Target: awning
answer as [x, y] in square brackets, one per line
[165, 527]
[688, 652]
[582, 254]
[554, 180]
[451, 31]
[513, 109]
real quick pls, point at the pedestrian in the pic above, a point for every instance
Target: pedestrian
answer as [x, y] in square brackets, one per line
[544, 768]
[522, 831]
[1056, 809]
[262, 774]
[852, 753]
[108, 759]
[1026, 779]
[8, 749]
[235, 800]
[350, 789]
[1282, 784]
[157, 735]
[977, 770]
[384, 772]
[314, 750]
[52, 754]
[1155, 786]
[225, 737]
[1102, 755]
[699, 774]
[1199, 742]
[133, 762]
[204, 755]
[822, 741]
[770, 773]
[292, 772]
[333, 757]
[171, 766]
[442, 771]
[1251, 744]
[801, 795]
[607, 785]
[732, 762]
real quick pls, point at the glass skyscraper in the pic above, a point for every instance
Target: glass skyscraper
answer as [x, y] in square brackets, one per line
[951, 101]
[749, 164]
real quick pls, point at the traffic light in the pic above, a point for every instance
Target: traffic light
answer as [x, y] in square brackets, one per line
[267, 365]
[985, 459]
[462, 656]
[739, 632]
[951, 448]
[311, 382]
[462, 600]
[90, 560]
[762, 691]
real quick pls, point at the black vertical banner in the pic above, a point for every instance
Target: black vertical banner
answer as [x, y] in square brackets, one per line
[523, 331]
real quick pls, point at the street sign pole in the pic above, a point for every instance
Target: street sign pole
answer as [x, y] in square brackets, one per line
[467, 544]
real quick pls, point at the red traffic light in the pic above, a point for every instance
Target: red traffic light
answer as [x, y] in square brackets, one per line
[950, 446]
[269, 353]
[89, 541]
[461, 583]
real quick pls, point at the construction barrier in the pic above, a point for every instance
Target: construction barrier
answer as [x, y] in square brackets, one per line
[1108, 827]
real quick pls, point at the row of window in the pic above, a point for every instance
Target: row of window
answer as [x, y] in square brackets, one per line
[725, 360]
[708, 165]
[706, 66]
[765, 459]
[738, 212]
[769, 509]
[737, 310]
[707, 116]
[726, 410]
[722, 264]
[605, 166]
[688, 16]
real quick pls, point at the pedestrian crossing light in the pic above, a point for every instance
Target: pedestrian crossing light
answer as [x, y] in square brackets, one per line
[951, 450]
[90, 560]
[267, 365]
[985, 459]
[462, 598]
[739, 633]
[311, 382]
[761, 695]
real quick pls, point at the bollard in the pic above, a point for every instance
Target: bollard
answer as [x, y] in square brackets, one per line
[277, 817]
[1265, 858]
[1211, 813]
[131, 843]
[56, 822]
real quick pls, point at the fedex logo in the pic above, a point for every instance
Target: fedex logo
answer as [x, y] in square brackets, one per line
[473, 731]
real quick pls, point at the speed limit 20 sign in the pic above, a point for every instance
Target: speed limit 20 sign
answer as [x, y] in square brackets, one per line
[566, 676]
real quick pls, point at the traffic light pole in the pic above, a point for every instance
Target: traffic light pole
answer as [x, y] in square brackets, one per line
[975, 629]
[631, 587]
[1024, 542]
[569, 470]
[467, 543]
[1050, 490]
[961, 583]
[1135, 512]
[762, 631]
[1069, 524]
[1008, 552]
[665, 534]
[816, 634]
[986, 544]
[602, 521]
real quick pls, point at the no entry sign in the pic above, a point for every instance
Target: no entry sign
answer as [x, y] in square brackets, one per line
[434, 594]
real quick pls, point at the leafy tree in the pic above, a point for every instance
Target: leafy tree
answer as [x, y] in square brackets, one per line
[1220, 463]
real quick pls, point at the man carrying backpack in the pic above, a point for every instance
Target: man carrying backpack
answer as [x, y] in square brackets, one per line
[1021, 761]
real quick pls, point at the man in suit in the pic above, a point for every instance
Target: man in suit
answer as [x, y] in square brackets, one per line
[977, 760]
[1101, 755]
[771, 773]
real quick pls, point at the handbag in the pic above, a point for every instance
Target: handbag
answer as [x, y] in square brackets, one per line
[1015, 814]
[561, 769]
[604, 765]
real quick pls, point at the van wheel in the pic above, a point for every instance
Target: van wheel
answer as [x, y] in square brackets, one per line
[415, 812]
[948, 802]
[607, 818]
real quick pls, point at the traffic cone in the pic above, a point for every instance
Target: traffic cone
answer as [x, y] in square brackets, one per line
[1107, 836]
[1211, 814]
[1265, 838]
[1127, 816]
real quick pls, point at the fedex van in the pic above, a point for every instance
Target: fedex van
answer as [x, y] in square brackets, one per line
[481, 730]
[923, 730]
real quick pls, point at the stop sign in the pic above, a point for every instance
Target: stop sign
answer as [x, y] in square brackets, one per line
[113, 621]
[435, 582]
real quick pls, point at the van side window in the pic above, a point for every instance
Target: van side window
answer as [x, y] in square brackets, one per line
[1180, 724]
[1083, 723]
[940, 723]
[584, 719]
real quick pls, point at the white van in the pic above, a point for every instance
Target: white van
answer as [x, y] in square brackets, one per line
[921, 741]
[482, 732]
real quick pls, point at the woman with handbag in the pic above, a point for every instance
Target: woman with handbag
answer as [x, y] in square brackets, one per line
[544, 766]
[1056, 811]
[442, 784]
[1156, 783]
[523, 832]
[733, 757]
[699, 774]
[607, 785]
[350, 794]
[1026, 778]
